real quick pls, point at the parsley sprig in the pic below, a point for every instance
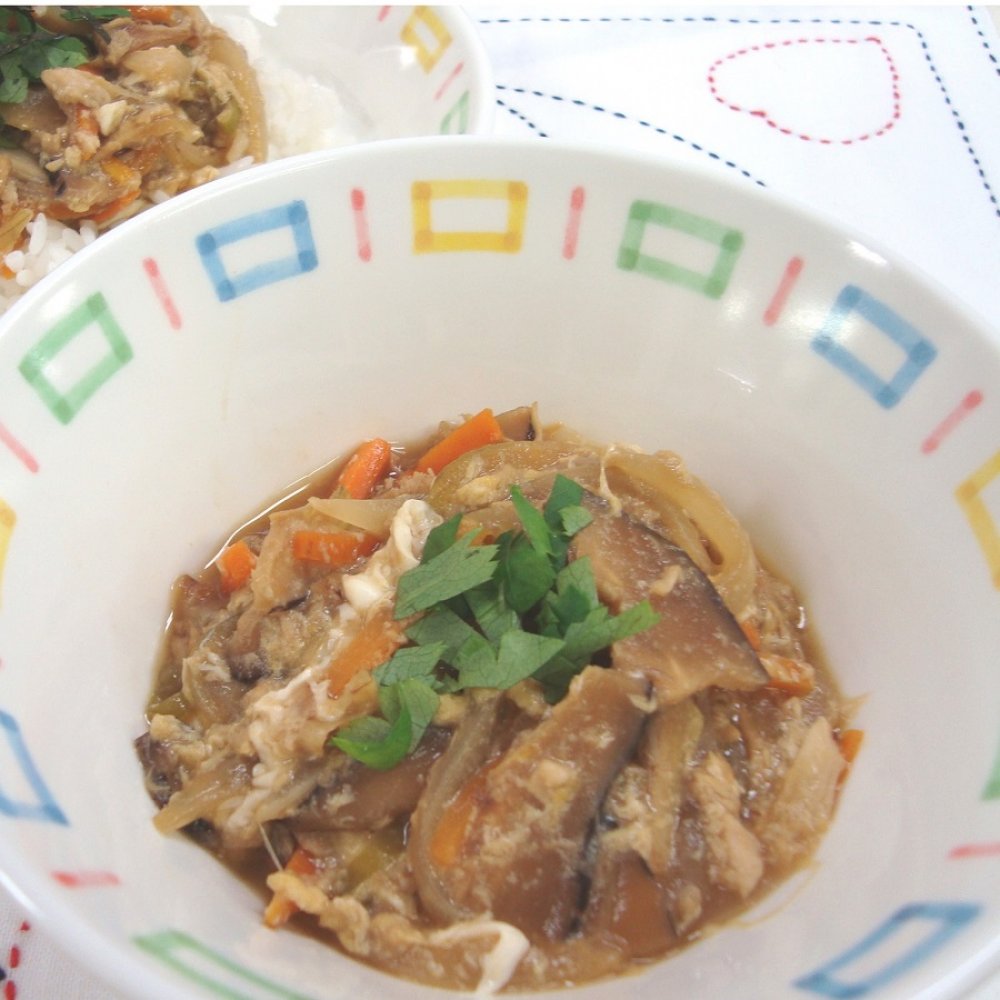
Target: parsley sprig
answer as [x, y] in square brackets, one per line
[27, 48]
[491, 616]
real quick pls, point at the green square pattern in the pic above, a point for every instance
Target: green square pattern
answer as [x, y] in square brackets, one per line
[92, 315]
[192, 959]
[456, 122]
[643, 214]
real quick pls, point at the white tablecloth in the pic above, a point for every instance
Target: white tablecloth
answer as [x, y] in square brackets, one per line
[886, 119]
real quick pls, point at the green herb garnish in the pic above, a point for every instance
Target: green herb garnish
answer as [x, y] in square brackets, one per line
[27, 49]
[492, 616]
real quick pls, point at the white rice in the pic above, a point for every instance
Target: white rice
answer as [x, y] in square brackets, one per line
[302, 115]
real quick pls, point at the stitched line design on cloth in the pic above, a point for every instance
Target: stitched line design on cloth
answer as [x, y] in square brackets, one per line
[658, 129]
[520, 116]
[12, 963]
[813, 21]
[788, 43]
[982, 37]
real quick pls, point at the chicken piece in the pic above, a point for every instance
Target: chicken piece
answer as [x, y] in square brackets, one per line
[128, 36]
[804, 803]
[75, 87]
[735, 858]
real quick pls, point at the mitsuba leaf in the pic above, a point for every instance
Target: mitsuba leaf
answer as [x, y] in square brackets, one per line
[525, 573]
[443, 627]
[491, 612]
[416, 700]
[446, 575]
[410, 662]
[536, 530]
[375, 742]
[440, 537]
[476, 662]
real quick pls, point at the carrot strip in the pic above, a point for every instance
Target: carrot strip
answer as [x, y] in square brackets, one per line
[793, 677]
[159, 14]
[332, 548]
[752, 632]
[850, 743]
[118, 172]
[449, 835]
[377, 639]
[301, 862]
[479, 430]
[235, 563]
[364, 470]
[113, 207]
[281, 909]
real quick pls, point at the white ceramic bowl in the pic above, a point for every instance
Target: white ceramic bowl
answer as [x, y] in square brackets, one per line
[393, 71]
[163, 383]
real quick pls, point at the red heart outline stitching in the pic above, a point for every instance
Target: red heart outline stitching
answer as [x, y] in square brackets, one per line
[768, 118]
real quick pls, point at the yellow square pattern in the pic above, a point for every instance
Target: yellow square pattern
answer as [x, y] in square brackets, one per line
[984, 525]
[7, 520]
[423, 25]
[426, 239]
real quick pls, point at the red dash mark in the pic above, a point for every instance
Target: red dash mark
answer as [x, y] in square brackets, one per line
[18, 449]
[976, 851]
[361, 224]
[152, 270]
[14, 962]
[447, 83]
[950, 422]
[785, 286]
[86, 879]
[572, 236]
[384, 12]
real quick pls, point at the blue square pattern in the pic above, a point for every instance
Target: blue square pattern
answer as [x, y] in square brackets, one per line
[943, 921]
[917, 351]
[212, 246]
[44, 807]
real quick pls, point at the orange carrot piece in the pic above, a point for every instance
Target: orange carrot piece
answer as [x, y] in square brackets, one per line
[301, 862]
[281, 909]
[446, 842]
[790, 676]
[364, 470]
[332, 548]
[235, 564]
[113, 208]
[752, 632]
[479, 430]
[377, 639]
[157, 14]
[850, 743]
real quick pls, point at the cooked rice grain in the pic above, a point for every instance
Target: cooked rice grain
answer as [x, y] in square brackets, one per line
[302, 115]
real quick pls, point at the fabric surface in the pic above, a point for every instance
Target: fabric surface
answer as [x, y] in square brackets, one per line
[881, 118]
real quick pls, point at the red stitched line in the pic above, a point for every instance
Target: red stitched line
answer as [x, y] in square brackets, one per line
[784, 130]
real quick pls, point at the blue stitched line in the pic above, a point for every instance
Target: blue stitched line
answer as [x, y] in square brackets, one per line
[519, 116]
[576, 102]
[986, 43]
[819, 21]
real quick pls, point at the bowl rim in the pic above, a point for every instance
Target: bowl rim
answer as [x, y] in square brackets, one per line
[987, 328]
[124, 967]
